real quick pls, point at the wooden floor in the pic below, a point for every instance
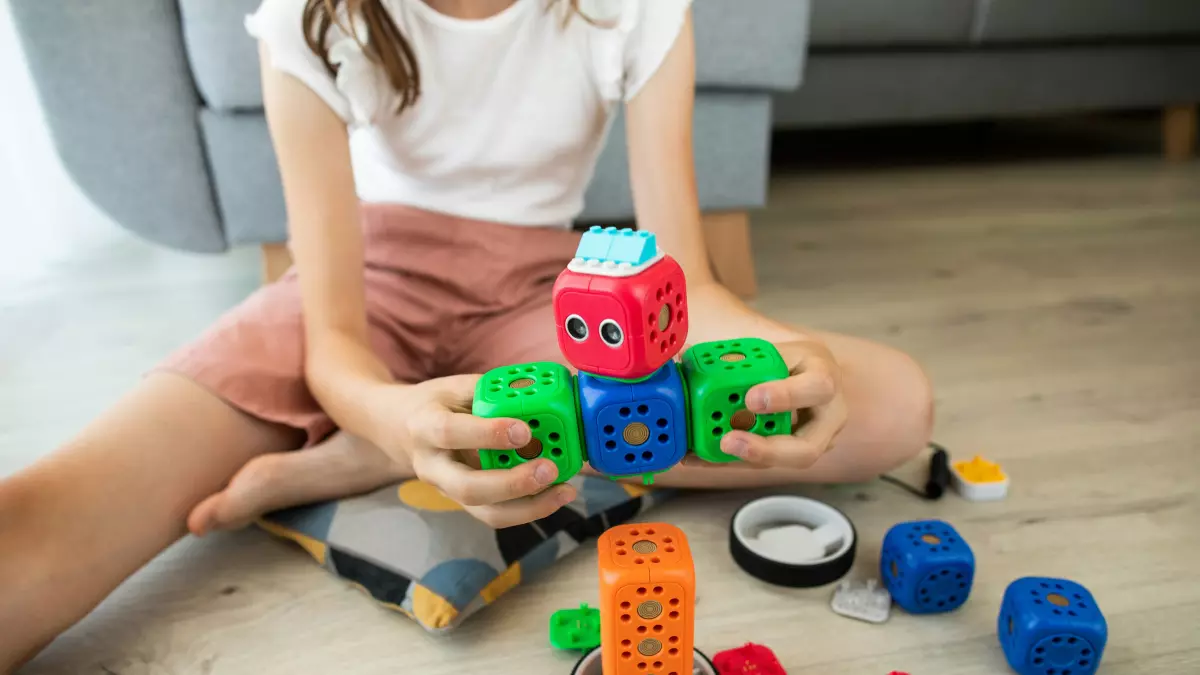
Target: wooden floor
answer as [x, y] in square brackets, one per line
[1055, 304]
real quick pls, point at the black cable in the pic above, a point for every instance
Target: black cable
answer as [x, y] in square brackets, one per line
[939, 476]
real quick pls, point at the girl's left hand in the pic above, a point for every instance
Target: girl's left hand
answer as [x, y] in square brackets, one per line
[813, 396]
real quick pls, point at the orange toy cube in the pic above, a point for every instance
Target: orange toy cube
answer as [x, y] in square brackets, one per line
[647, 598]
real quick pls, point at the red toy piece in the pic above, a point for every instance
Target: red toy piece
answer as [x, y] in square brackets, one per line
[749, 659]
[622, 327]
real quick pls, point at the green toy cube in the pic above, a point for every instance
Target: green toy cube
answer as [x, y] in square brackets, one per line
[718, 375]
[575, 628]
[542, 394]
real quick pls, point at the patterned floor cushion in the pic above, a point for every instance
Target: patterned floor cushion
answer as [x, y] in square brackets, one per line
[417, 552]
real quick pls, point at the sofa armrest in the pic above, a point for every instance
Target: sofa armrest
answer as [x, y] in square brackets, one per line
[114, 85]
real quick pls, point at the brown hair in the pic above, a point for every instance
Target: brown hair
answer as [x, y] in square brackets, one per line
[383, 43]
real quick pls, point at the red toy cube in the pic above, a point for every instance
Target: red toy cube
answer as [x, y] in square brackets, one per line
[749, 659]
[623, 327]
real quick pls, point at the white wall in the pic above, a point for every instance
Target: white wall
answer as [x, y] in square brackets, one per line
[40, 207]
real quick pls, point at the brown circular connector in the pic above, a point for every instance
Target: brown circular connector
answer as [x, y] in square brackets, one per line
[522, 383]
[743, 420]
[649, 609]
[733, 357]
[1056, 599]
[644, 546]
[532, 450]
[931, 539]
[649, 647]
[664, 318]
[636, 433]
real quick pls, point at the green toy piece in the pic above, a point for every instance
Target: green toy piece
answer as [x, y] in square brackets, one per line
[542, 394]
[575, 628]
[718, 375]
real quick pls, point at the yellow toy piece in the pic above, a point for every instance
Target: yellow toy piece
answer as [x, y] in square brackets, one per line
[979, 480]
[979, 470]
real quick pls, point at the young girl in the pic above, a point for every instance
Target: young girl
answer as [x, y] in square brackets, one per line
[433, 155]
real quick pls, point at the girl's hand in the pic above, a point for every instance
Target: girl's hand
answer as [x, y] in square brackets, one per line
[812, 394]
[435, 426]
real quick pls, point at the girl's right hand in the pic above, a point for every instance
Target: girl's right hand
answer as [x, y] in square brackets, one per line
[431, 425]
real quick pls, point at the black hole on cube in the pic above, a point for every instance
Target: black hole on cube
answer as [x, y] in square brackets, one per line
[1083, 662]
[734, 398]
[953, 598]
[1057, 613]
[643, 409]
[720, 346]
[647, 455]
[503, 459]
[924, 591]
[1037, 602]
[663, 438]
[962, 585]
[916, 543]
[554, 436]
[1038, 662]
[1050, 672]
[717, 415]
[1058, 586]
[941, 603]
[629, 457]
[952, 540]
[770, 425]
[608, 429]
[1039, 650]
[1066, 672]
[1033, 593]
[1085, 652]
[533, 424]
[610, 445]
[1044, 585]
[661, 423]
[557, 452]
[1078, 596]
[624, 412]
[1071, 641]
[911, 535]
[1056, 640]
[1072, 612]
[958, 576]
[728, 367]
[716, 431]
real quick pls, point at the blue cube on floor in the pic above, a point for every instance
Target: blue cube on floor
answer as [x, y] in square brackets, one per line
[1051, 627]
[926, 566]
[634, 428]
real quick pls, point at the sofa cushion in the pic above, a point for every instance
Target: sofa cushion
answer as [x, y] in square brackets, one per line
[1083, 20]
[877, 23]
[762, 48]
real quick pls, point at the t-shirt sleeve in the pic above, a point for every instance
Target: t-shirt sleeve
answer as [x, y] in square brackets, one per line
[279, 27]
[655, 26]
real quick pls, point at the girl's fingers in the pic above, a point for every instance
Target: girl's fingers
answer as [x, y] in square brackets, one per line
[447, 430]
[472, 487]
[809, 389]
[799, 451]
[524, 510]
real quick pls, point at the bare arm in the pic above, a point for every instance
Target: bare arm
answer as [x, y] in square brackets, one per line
[327, 244]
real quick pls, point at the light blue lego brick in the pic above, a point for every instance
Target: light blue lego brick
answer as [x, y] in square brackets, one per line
[635, 248]
[608, 244]
[595, 243]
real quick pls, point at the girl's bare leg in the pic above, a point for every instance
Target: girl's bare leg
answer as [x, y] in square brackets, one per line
[77, 523]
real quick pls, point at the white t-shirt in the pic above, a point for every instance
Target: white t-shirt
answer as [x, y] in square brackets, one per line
[514, 109]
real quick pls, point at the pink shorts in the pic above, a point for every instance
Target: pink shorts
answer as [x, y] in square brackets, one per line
[444, 295]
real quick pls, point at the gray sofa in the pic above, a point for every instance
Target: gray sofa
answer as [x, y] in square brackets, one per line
[156, 111]
[890, 61]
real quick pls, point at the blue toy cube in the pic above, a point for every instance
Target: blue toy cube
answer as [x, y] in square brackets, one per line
[633, 428]
[1051, 627]
[927, 566]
